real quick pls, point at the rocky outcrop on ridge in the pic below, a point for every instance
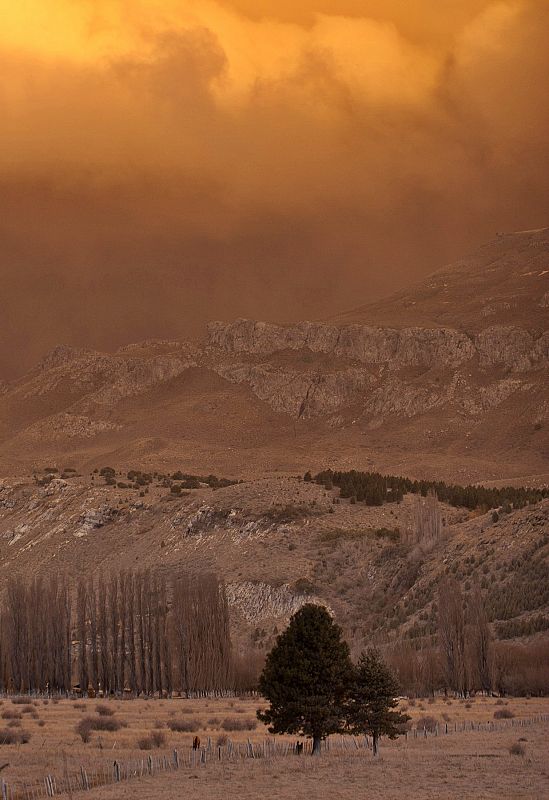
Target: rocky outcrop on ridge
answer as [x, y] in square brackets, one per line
[510, 347]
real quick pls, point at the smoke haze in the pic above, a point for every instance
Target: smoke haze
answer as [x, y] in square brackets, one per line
[163, 163]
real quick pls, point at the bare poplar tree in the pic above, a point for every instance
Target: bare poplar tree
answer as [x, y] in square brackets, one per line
[451, 628]
[81, 609]
[480, 640]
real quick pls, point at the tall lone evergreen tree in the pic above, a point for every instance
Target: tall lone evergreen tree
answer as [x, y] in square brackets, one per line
[372, 700]
[306, 677]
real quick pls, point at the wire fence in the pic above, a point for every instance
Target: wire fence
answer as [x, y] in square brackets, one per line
[88, 778]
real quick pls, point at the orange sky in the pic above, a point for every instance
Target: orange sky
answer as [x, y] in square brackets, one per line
[164, 162]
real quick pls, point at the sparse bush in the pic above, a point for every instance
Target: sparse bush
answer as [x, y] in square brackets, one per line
[8, 736]
[14, 723]
[84, 730]
[427, 723]
[517, 749]
[503, 713]
[184, 725]
[9, 714]
[145, 743]
[104, 710]
[154, 739]
[214, 722]
[234, 724]
[89, 724]
[41, 723]
[158, 738]
[79, 706]
[222, 740]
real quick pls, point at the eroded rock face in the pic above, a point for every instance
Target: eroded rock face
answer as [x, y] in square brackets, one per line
[368, 345]
[368, 366]
[300, 393]
[508, 346]
[258, 601]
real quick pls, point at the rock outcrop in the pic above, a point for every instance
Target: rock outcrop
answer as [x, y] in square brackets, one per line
[506, 346]
[382, 371]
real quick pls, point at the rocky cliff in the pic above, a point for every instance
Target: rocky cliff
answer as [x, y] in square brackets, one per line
[506, 346]
[383, 370]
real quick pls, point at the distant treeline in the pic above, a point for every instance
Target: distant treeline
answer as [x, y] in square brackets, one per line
[375, 489]
[135, 632]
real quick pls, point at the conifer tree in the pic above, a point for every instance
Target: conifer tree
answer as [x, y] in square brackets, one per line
[306, 677]
[372, 700]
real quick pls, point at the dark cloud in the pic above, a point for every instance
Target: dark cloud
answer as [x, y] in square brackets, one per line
[235, 165]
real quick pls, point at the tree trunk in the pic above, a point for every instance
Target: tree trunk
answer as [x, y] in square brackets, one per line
[375, 744]
[317, 744]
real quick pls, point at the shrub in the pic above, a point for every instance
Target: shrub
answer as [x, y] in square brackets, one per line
[154, 739]
[234, 724]
[84, 729]
[20, 701]
[517, 749]
[89, 724]
[222, 740]
[158, 738]
[8, 736]
[79, 706]
[427, 723]
[213, 722]
[106, 724]
[14, 723]
[104, 710]
[145, 743]
[503, 713]
[7, 714]
[184, 725]
[41, 723]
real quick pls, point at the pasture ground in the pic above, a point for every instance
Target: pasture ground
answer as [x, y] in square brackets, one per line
[470, 764]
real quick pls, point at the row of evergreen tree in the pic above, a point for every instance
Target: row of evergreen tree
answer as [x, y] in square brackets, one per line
[376, 489]
[137, 632]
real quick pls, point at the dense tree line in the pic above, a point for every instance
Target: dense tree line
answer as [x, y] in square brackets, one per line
[135, 632]
[376, 489]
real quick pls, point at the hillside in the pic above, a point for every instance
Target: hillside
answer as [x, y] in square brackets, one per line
[438, 383]
[278, 542]
[504, 282]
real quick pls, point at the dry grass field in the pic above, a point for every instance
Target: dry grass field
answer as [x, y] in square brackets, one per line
[464, 764]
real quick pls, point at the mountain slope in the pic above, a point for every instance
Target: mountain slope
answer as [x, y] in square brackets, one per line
[453, 383]
[279, 542]
[504, 282]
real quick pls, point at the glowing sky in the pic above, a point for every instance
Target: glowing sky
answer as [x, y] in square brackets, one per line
[165, 162]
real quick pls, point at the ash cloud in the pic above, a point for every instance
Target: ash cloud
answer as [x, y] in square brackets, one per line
[160, 167]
